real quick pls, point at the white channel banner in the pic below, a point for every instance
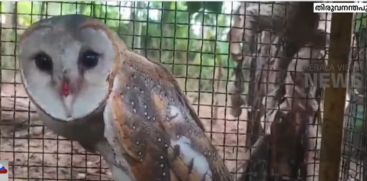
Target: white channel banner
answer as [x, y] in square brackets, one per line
[340, 7]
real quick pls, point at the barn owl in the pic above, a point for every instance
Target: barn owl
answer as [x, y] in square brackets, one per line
[89, 87]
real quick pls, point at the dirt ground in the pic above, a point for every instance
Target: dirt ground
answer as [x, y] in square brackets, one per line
[35, 153]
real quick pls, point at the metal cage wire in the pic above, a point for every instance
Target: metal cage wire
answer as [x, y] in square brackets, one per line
[192, 45]
[36, 153]
[354, 146]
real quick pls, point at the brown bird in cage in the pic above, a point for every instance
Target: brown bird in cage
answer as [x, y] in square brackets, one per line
[89, 87]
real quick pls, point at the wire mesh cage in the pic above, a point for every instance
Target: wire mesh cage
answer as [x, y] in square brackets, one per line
[247, 68]
[192, 45]
[354, 147]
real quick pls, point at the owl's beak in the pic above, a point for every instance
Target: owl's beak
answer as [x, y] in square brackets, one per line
[66, 89]
[67, 97]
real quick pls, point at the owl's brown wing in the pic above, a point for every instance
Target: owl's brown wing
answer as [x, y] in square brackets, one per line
[180, 96]
[160, 135]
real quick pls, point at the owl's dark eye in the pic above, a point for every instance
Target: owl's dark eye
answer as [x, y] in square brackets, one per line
[89, 59]
[43, 62]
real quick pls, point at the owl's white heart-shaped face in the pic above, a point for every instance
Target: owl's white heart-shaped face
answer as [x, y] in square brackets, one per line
[64, 64]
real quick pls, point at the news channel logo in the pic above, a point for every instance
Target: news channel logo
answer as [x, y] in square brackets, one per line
[4, 171]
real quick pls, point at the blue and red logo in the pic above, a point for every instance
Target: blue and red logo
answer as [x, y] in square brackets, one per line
[3, 170]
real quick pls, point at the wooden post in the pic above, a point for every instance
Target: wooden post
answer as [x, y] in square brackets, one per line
[332, 126]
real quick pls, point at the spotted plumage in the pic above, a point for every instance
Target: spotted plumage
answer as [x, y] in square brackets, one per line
[140, 90]
[127, 108]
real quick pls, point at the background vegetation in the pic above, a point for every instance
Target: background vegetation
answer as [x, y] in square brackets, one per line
[188, 38]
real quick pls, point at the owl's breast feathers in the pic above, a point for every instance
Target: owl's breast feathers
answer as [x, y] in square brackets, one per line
[161, 136]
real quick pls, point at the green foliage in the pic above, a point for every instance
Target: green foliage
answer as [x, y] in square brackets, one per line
[361, 21]
[181, 35]
[194, 7]
[361, 29]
